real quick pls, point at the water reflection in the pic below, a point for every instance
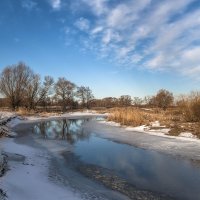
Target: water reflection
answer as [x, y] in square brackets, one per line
[144, 169]
[65, 129]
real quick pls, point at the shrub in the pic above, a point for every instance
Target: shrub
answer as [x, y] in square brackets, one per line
[190, 107]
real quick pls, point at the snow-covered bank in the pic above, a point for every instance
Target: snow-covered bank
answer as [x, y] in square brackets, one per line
[26, 119]
[154, 129]
[28, 179]
[9, 121]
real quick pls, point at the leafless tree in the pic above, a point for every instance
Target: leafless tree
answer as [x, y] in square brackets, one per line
[13, 83]
[89, 96]
[125, 100]
[64, 90]
[137, 101]
[163, 99]
[85, 95]
[81, 95]
[46, 90]
[32, 91]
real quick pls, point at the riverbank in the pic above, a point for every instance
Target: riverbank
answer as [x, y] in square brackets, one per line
[29, 157]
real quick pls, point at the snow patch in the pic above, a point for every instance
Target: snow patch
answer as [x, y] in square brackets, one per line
[29, 180]
[4, 114]
[187, 135]
[111, 123]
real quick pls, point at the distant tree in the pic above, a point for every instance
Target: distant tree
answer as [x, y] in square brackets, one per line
[89, 96]
[14, 80]
[137, 101]
[32, 91]
[163, 99]
[45, 91]
[147, 100]
[81, 95]
[64, 90]
[85, 95]
[125, 100]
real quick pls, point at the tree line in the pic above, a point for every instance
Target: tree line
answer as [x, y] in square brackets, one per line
[21, 87]
[163, 99]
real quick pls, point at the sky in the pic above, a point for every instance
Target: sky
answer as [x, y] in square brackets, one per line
[116, 47]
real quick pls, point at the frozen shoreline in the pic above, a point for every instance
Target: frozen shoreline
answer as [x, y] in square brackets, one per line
[16, 182]
[37, 162]
[28, 179]
[160, 131]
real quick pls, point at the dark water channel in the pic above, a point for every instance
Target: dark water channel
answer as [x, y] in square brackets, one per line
[128, 167]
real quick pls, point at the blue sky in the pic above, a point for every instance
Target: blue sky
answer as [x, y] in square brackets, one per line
[115, 47]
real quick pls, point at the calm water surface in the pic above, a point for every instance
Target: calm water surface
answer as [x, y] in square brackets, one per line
[145, 169]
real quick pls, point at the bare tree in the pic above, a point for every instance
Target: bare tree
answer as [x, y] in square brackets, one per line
[125, 100]
[137, 101]
[13, 83]
[46, 90]
[163, 99]
[81, 95]
[32, 91]
[64, 90]
[85, 95]
[89, 96]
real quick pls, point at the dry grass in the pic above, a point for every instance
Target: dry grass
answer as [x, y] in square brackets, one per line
[25, 112]
[135, 116]
[172, 118]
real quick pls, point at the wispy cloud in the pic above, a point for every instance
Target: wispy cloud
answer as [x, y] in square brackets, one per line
[29, 4]
[99, 7]
[56, 4]
[155, 35]
[83, 24]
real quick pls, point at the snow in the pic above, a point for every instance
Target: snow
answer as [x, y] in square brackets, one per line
[111, 123]
[6, 114]
[160, 131]
[137, 128]
[19, 120]
[187, 135]
[155, 124]
[29, 179]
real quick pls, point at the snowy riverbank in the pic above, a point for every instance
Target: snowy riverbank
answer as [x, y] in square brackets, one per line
[29, 159]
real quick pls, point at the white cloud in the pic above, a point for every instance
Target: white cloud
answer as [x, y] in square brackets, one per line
[98, 6]
[97, 30]
[56, 4]
[124, 15]
[83, 24]
[109, 36]
[158, 35]
[192, 54]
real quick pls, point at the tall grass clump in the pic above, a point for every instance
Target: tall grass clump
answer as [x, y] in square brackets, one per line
[129, 116]
[190, 107]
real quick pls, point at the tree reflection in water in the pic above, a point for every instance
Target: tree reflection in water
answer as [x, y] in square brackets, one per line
[70, 130]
